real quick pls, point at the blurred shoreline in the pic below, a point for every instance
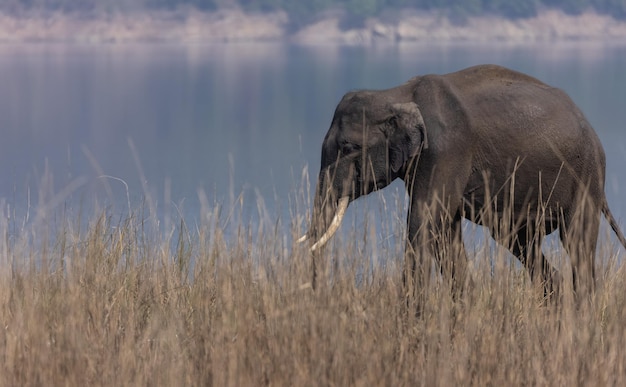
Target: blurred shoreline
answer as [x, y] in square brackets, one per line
[233, 25]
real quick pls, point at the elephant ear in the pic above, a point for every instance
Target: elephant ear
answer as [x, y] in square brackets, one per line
[408, 135]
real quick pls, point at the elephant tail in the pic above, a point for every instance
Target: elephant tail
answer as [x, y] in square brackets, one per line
[611, 219]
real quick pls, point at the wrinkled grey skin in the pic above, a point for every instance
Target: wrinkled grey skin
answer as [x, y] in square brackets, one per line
[489, 144]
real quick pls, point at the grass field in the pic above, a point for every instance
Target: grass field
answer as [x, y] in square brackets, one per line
[118, 301]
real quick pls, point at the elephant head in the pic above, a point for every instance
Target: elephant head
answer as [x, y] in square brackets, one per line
[371, 139]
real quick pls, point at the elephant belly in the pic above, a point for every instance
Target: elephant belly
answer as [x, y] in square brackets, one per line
[525, 199]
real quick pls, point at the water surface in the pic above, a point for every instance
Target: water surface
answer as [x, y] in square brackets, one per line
[110, 124]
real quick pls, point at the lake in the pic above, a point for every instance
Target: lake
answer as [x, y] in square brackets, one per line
[174, 127]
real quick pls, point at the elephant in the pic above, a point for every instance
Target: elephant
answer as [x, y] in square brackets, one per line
[486, 143]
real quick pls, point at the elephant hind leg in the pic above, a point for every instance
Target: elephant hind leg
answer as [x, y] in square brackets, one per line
[579, 235]
[525, 244]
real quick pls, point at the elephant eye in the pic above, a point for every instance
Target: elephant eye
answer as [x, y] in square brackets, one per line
[348, 148]
[389, 126]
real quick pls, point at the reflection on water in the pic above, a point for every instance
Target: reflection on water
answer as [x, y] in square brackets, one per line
[170, 121]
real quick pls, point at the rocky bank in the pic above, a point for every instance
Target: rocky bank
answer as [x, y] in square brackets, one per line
[233, 25]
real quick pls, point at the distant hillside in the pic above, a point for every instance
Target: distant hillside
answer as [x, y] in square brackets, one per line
[315, 21]
[302, 12]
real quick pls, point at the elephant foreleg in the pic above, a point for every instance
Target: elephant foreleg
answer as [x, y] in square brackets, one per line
[438, 239]
[452, 257]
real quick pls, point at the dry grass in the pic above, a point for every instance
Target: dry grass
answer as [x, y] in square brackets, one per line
[117, 303]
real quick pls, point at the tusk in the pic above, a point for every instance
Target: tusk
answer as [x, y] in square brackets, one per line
[303, 238]
[334, 225]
